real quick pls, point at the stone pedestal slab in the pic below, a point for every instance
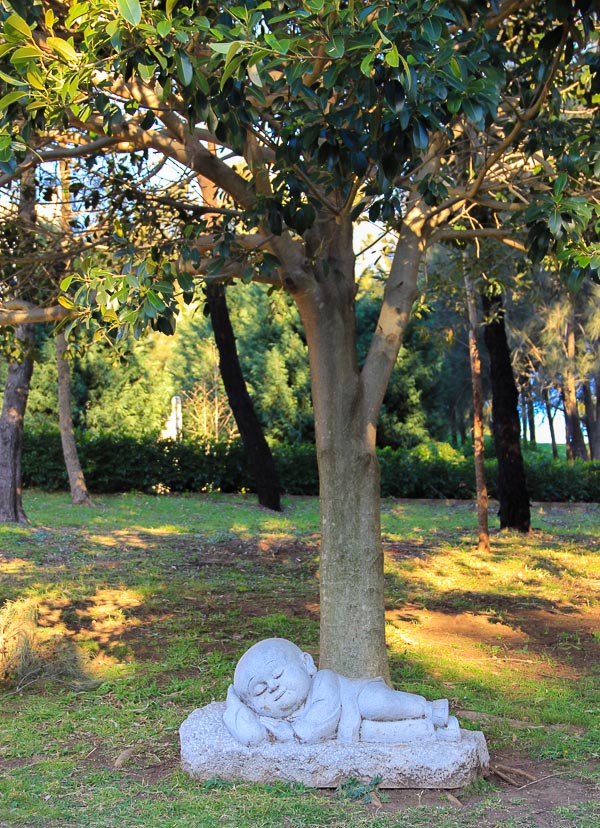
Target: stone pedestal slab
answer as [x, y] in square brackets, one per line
[209, 751]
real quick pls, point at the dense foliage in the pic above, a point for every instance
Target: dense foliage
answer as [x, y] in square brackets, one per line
[430, 470]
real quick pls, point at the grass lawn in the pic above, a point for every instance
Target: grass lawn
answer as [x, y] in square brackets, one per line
[163, 594]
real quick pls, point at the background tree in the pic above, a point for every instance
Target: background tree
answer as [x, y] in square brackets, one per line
[514, 511]
[21, 236]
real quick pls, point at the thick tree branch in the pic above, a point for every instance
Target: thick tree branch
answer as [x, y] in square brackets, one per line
[506, 9]
[22, 313]
[451, 234]
[34, 159]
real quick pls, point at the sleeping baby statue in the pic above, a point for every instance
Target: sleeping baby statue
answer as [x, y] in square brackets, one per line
[279, 695]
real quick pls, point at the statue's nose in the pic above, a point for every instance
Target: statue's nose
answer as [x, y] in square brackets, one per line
[273, 685]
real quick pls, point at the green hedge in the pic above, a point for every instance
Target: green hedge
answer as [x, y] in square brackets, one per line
[433, 470]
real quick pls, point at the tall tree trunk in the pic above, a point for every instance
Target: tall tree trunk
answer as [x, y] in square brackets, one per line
[531, 419]
[595, 447]
[463, 431]
[575, 441]
[347, 400]
[590, 418]
[453, 428]
[16, 392]
[513, 495]
[255, 444]
[523, 406]
[478, 435]
[352, 632]
[550, 417]
[79, 492]
[257, 449]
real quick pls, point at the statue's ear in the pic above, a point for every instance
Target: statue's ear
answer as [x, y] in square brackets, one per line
[311, 668]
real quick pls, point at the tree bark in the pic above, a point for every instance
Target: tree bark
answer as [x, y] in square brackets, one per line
[347, 400]
[478, 435]
[16, 392]
[513, 495]
[255, 444]
[79, 492]
[575, 443]
[351, 573]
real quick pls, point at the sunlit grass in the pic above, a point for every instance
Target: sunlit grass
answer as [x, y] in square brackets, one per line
[163, 594]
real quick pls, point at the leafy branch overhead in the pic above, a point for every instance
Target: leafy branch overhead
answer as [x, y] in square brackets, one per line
[485, 115]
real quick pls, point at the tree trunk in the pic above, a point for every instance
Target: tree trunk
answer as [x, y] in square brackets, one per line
[595, 445]
[352, 632]
[478, 435]
[550, 416]
[514, 509]
[531, 419]
[347, 399]
[590, 417]
[453, 427]
[79, 492]
[257, 448]
[575, 442]
[523, 405]
[16, 392]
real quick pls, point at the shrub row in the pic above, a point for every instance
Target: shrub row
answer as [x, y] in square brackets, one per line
[432, 470]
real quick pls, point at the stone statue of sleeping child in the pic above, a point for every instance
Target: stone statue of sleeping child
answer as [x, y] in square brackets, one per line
[278, 694]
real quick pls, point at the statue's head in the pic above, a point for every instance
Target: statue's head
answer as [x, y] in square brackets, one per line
[273, 677]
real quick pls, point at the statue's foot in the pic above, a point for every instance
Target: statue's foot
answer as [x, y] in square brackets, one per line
[449, 733]
[439, 712]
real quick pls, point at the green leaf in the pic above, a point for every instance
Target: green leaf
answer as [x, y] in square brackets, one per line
[560, 183]
[221, 48]
[454, 102]
[455, 68]
[185, 70]
[11, 98]
[555, 222]
[19, 25]
[25, 53]
[254, 75]
[130, 10]
[336, 47]
[63, 49]
[66, 282]
[392, 58]
[432, 28]
[420, 137]
[164, 27]
[10, 80]
[473, 111]
[366, 65]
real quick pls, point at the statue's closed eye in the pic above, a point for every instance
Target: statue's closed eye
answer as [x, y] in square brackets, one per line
[259, 688]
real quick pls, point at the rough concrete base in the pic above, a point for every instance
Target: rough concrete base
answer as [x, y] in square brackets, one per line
[208, 751]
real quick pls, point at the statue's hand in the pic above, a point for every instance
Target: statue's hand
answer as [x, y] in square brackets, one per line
[279, 728]
[242, 723]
